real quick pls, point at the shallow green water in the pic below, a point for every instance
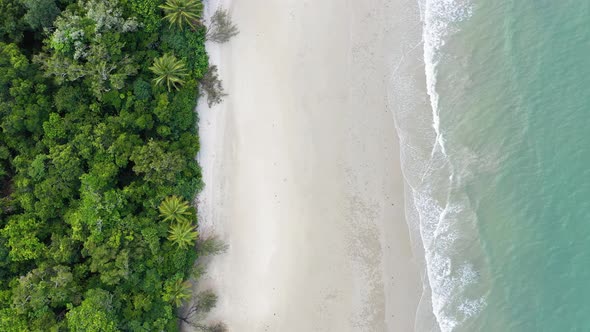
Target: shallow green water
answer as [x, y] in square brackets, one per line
[513, 80]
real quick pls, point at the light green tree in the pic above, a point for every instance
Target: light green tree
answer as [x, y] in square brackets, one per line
[181, 12]
[170, 71]
[176, 292]
[10, 321]
[94, 314]
[21, 234]
[174, 208]
[156, 164]
[183, 233]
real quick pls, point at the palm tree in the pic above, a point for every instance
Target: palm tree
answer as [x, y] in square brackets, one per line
[183, 233]
[182, 12]
[170, 70]
[174, 208]
[177, 292]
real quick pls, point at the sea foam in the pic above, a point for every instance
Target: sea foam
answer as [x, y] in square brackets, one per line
[438, 18]
[446, 221]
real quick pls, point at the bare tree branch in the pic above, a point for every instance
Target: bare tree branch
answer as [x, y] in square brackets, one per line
[212, 86]
[221, 28]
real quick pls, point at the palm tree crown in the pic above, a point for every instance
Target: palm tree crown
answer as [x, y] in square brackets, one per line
[169, 70]
[183, 233]
[182, 12]
[174, 208]
[177, 292]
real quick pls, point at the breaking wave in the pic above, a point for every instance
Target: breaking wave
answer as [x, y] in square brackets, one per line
[438, 208]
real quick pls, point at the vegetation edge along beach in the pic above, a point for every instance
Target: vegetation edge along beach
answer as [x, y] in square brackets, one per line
[98, 139]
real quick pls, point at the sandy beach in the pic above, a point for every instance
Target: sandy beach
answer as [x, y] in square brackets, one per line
[302, 171]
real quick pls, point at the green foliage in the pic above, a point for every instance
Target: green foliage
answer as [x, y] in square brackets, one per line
[156, 164]
[173, 208]
[183, 12]
[95, 314]
[177, 291]
[87, 45]
[183, 234]
[40, 13]
[13, 65]
[19, 87]
[142, 89]
[11, 322]
[189, 46]
[169, 71]
[90, 152]
[11, 23]
[22, 238]
[148, 14]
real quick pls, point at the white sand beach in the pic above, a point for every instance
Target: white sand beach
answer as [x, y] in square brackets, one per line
[302, 171]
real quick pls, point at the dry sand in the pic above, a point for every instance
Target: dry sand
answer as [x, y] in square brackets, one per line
[302, 171]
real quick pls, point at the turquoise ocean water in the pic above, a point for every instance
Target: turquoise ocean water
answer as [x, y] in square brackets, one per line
[503, 193]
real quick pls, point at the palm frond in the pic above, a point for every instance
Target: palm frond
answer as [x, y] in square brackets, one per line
[174, 208]
[178, 292]
[169, 70]
[183, 233]
[183, 12]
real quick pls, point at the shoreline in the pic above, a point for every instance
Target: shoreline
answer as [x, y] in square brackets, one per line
[306, 189]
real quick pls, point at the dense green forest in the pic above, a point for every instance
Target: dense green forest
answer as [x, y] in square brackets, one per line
[98, 141]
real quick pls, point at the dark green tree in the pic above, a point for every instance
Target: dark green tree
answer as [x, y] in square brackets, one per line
[11, 22]
[40, 13]
[89, 153]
